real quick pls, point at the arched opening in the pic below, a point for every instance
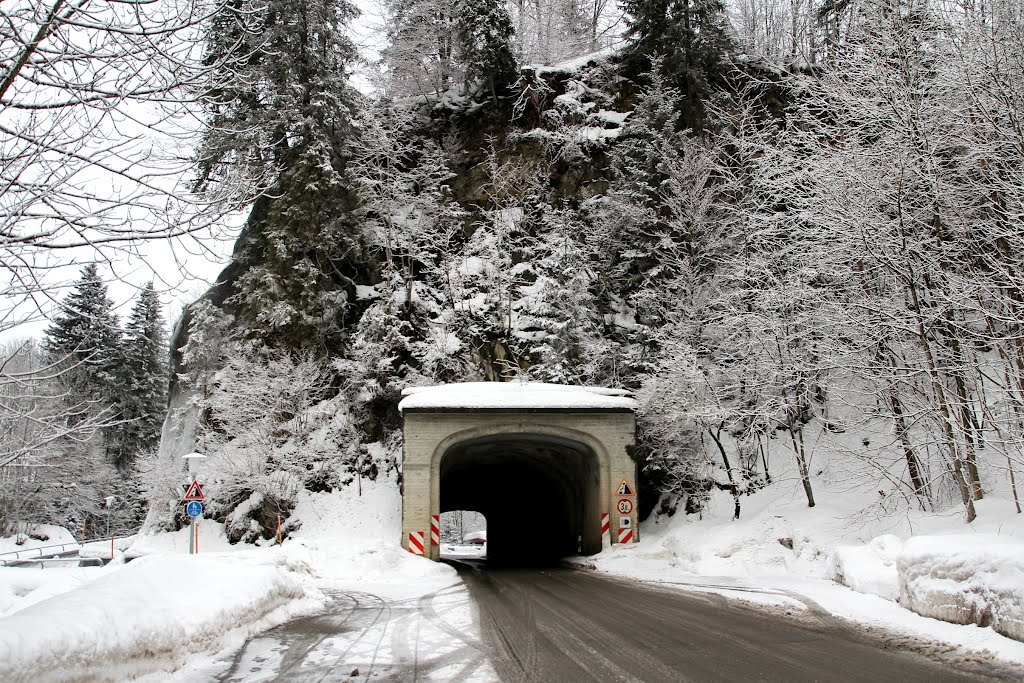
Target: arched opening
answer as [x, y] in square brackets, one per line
[463, 535]
[538, 492]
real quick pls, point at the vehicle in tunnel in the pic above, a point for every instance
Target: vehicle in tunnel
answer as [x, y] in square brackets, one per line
[538, 492]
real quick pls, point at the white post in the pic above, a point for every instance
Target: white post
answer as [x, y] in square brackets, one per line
[109, 502]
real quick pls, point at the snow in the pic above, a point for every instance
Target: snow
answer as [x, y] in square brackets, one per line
[869, 568]
[168, 613]
[146, 616]
[513, 396]
[885, 572]
[965, 579]
[572, 65]
[48, 535]
[614, 117]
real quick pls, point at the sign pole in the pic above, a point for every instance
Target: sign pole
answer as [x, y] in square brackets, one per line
[192, 530]
[194, 508]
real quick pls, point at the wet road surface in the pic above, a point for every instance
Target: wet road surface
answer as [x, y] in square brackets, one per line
[568, 625]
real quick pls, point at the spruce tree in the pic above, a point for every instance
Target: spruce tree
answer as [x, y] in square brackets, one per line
[485, 45]
[301, 251]
[84, 338]
[689, 38]
[145, 379]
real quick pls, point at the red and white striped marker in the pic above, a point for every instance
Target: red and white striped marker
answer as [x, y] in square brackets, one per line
[625, 535]
[416, 542]
[606, 534]
[435, 530]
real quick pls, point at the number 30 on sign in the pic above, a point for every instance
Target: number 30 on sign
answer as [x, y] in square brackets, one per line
[625, 506]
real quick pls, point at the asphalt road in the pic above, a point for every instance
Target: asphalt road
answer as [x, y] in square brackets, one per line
[566, 625]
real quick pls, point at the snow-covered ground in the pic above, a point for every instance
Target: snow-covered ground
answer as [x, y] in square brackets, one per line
[868, 569]
[170, 616]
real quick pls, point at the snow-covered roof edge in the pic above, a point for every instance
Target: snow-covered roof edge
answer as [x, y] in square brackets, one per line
[515, 396]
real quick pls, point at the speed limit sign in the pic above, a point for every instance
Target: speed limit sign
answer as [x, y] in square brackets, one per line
[624, 506]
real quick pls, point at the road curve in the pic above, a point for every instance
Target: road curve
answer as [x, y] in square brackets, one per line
[569, 625]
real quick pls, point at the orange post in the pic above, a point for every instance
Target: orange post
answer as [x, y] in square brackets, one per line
[279, 529]
[83, 532]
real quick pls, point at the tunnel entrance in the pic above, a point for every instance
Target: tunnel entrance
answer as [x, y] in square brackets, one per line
[550, 466]
[539, 493]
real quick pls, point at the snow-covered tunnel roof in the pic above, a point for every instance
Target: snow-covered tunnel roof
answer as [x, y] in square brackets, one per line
[515, 396]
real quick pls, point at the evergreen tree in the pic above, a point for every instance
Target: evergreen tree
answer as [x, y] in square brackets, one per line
[301, 250]
[145, 379]
[485, 45]
[84, 339]
[689, 38]
[561, 312]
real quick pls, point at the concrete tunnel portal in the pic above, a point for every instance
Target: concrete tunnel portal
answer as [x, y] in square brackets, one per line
[541, 486]
[545, 464]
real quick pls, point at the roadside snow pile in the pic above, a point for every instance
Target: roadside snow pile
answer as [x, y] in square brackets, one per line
[148, 616]
[976, 579]
[37, 536]
[869, 568]
[964, 579]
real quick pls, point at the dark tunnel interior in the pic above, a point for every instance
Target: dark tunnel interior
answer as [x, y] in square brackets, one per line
[539, 494]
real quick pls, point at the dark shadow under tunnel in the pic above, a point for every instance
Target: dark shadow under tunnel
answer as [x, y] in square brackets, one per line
[538, 492]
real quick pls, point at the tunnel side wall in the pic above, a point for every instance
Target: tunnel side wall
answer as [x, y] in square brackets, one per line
[430, 434]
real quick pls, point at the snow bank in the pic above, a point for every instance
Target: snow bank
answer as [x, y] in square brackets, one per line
[47, 535]
[514, 395]
[975, 579]
[148, 616]
[869, 568]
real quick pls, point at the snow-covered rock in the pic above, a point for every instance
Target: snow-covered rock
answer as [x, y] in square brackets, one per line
[965, 579]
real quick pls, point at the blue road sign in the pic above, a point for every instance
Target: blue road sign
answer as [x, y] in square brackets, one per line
[194, 508]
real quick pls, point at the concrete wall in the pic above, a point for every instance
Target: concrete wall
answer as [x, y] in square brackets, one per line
[429, 435]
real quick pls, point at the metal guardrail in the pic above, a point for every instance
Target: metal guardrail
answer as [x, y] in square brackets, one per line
[43, 552]
[40, 551]
[43, 561]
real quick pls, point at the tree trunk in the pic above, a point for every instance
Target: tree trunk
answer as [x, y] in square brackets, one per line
[734, 488]
[940, 394]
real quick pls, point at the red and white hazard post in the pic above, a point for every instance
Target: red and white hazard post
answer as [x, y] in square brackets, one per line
[416, 542]
[435, 530]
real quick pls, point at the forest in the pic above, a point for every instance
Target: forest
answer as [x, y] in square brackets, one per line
[772, 220]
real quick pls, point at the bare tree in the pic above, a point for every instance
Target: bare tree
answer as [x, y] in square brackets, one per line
[92, 95]
[52, 459]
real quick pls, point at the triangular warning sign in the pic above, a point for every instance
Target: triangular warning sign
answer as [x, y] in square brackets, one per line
[625, 489]
[194, 492]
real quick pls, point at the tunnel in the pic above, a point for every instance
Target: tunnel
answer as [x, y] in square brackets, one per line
[539, 493]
